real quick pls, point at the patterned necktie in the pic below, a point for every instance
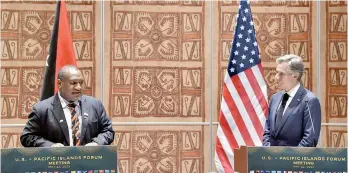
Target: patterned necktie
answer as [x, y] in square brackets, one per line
[75, 124]
[280, 111]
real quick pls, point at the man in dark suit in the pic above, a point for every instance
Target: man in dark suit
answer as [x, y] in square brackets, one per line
[294, 117]
[68, 118]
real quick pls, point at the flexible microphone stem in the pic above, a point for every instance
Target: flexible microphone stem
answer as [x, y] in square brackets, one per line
[310, 117]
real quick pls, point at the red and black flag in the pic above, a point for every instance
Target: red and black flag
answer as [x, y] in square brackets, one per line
[61, 51]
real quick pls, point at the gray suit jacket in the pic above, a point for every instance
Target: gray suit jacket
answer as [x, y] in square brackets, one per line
[47, 125]
[296, 127]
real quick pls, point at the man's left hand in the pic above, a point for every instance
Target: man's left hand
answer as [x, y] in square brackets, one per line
[92, 144]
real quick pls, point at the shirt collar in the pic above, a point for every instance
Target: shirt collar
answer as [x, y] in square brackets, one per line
[64, 102]
[293, 91]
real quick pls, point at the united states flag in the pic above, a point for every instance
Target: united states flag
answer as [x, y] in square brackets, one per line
[244, 104]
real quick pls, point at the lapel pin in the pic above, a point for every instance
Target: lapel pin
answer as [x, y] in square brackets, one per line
[85, 114]
[298, 99]
[61, 121]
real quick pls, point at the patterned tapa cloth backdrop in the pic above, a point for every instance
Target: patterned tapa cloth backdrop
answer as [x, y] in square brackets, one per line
[157, 67]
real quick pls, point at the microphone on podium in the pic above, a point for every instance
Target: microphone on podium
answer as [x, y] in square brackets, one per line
[310, 117]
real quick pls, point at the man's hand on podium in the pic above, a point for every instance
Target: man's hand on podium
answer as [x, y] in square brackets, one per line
[92, 144]
[57, 145]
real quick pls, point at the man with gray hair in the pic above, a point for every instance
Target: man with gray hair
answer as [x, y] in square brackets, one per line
[294, 116]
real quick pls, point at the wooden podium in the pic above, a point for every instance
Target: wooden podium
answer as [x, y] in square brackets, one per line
[241, 159]
[290, 160]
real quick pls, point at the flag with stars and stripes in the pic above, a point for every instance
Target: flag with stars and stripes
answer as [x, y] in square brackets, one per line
[244, 103]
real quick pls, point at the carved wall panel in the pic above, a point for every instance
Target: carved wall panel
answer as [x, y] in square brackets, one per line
[160, 151]
[26, 32]
[156, 60]
[336, 94]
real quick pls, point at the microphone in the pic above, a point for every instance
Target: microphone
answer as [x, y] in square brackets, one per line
[310, 117]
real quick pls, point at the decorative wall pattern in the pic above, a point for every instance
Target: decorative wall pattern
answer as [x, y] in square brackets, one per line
[10, 139]
[158, 92]
[336, 72]
[25, 42]
[157, 74]
[154, 91]
[157, 67]
[160, 151]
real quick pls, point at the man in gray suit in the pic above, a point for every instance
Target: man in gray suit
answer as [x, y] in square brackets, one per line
[68, 118]
[294, 116]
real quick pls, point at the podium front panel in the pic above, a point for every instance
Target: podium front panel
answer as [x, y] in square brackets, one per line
[296, 159]
[100, 159]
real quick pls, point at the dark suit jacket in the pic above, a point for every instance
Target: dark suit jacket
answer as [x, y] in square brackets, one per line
[296, 127]
[47, 125]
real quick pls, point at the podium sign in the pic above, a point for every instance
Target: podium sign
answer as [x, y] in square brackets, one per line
[293, 159]
[60, 159]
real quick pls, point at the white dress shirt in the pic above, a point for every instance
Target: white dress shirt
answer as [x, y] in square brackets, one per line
[67, 114]
[291, 94]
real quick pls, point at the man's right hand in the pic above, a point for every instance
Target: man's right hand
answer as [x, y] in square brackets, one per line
[57, 145]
